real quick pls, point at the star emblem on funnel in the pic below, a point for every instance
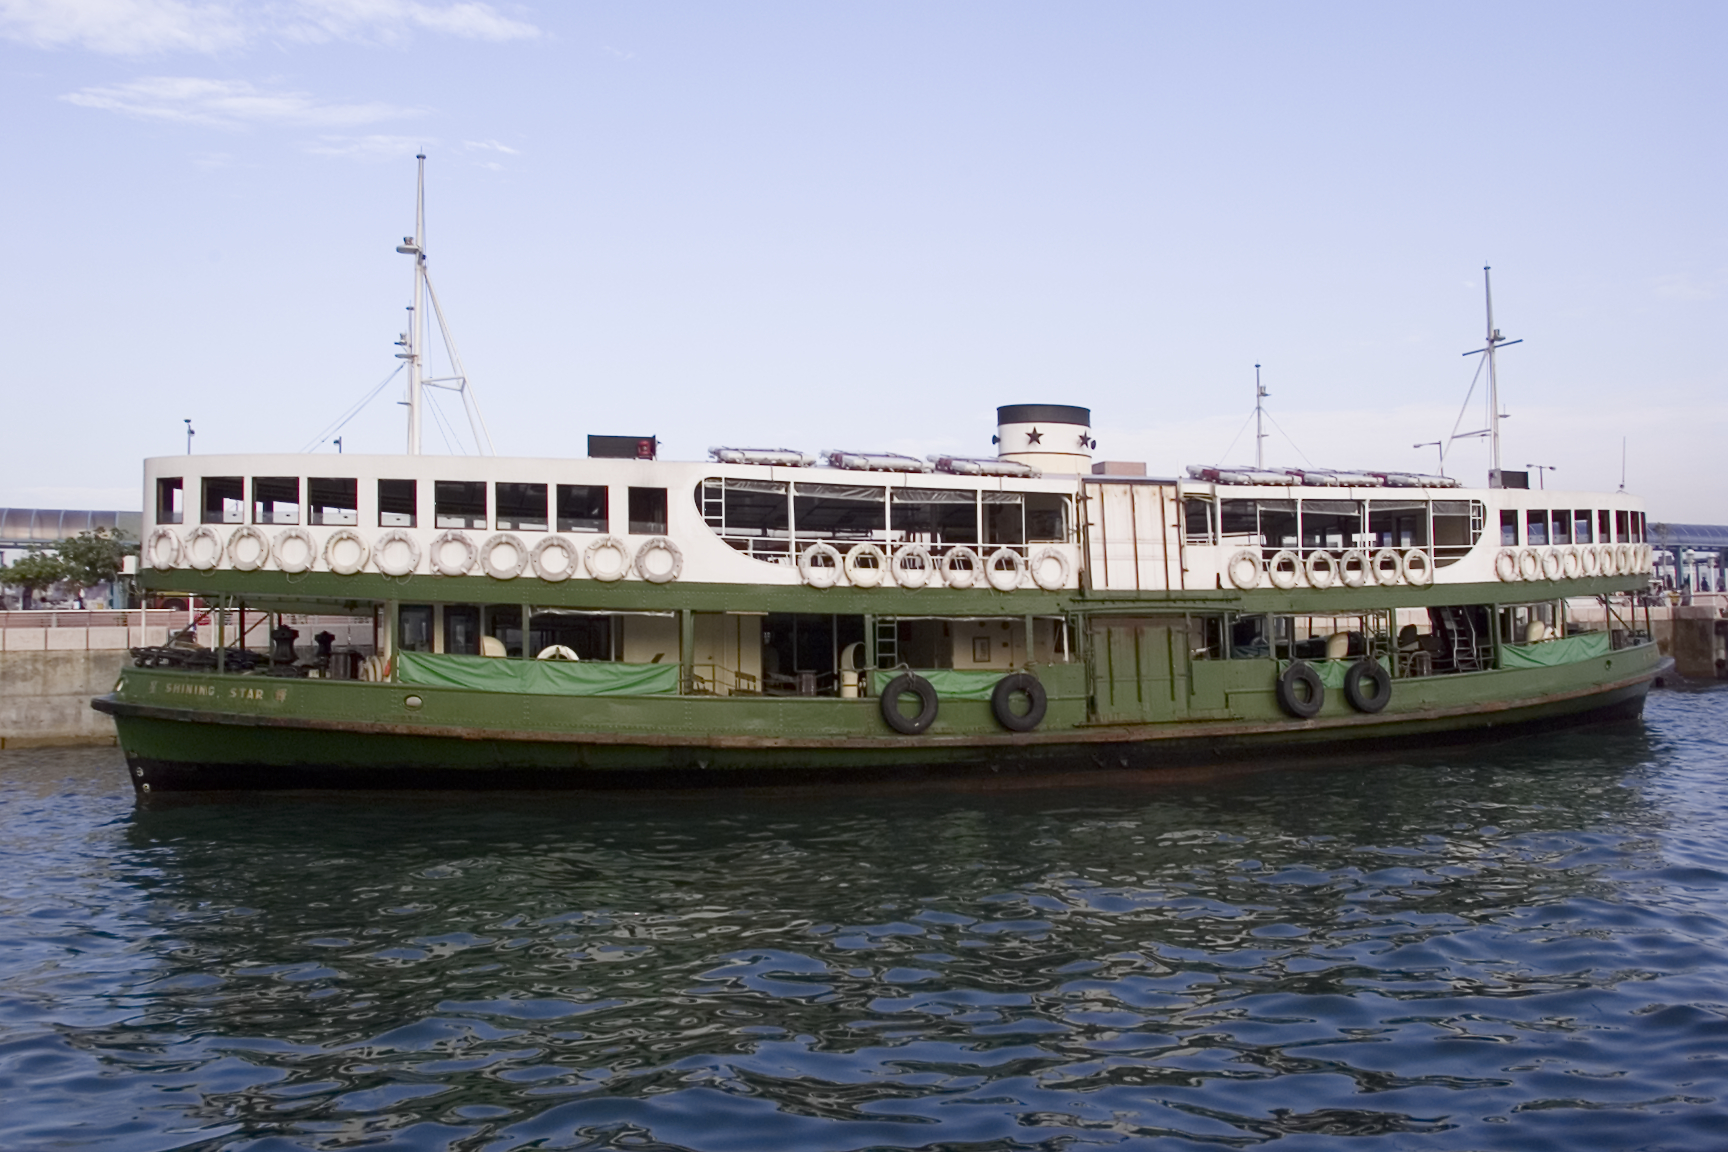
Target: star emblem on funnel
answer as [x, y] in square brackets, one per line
[1034, 436]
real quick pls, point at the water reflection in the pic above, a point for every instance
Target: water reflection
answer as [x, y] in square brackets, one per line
[1518, 948]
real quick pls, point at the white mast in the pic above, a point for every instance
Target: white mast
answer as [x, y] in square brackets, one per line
[413, 340]
[1259, 436]
[416, 342]
[1495, 340]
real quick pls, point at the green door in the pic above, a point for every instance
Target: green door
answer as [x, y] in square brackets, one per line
[1139, 668]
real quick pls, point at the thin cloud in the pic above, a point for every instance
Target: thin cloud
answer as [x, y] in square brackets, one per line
[228, 104]
[370, 148]
[147, 27]
[490, 145]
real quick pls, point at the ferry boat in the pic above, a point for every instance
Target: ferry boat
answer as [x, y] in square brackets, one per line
[771, 615]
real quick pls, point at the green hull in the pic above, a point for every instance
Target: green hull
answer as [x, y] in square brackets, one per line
[187, 731]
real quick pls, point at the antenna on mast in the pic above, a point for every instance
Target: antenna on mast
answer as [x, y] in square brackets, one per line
[1260, 394]
[1495, 341]
[1622, 463]
[416, 341]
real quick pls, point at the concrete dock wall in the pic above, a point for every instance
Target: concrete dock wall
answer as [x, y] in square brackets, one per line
[45, 696]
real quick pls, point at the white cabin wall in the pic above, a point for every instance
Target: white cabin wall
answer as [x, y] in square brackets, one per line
[645, 637]
[730, 641]
[1007, 640]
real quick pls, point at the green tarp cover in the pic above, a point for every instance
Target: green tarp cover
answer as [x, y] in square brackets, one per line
[1549, 653]
[1332, 672]
[537, 677]
[950, 683]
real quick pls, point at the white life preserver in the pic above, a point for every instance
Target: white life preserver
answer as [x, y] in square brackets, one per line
[1506, 564]
[1646, 557]
[1623, 559]
[400, 544]
[496, 543]
[1249, 579]
[1005, 579]
[203, 548]
[572, 560]
[1063, 570]
[295, 550]
[953, 574]
[825, 576]
[1529, 564]
[153, 548]
[1416, 560]
[461, 539]
[860, 576]
[1353, 568]
[1321, 569]
[1284, 578]
[913, 575]
[1384, 576]
[345, 552]
[375, 670]
[248, 548]
[607, 544]
[558, 652]
[674, 560]
[1605, 559]
[1551, 564]
[1571, 564]
[1589, 561]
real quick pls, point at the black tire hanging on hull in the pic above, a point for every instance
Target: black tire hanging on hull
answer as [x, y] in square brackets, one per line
[1301, 672]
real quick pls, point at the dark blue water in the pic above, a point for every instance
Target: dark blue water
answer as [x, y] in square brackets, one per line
[1520, 947]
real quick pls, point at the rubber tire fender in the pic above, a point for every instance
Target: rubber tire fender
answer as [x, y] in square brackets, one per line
[1376, 675]
[1287, 698]
[890, 703]
[1002, 702]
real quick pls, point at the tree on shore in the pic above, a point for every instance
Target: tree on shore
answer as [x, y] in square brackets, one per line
[34, 571]
[94, 557]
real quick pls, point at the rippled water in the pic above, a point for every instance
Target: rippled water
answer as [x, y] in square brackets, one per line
[1518, 947]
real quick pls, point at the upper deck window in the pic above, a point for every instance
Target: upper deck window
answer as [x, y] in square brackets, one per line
[170, 497]
[275, 499]
[1004, 518]
[582, 508]
[1335, 524]
[521, 507]
[1047, 517]
[224, 500]
[1604, 526]
[1508, 528]
[1397, 523]
[1457, 528]
[1622, 526]
[1536, 526]
[333, 501]
[841, 511]
[932, 515]
[648, 511]
[1560, 528]
[1197, 519]
[398, 503]
[459, 503]
[1581, 527]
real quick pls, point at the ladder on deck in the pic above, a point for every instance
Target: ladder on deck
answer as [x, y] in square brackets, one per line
[887, 642]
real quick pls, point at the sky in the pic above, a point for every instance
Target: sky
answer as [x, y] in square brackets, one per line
[865, 225]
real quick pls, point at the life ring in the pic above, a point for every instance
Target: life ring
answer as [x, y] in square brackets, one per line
[1589, 561]
[396, 553]
[953, 574]
[374, 670]
[1245, 568]
[1646, 557]
[825, 576]
[890, 704]
[544, 569]
[1321, 569]
[1373, 696]
[457, 538]
[674, 560]
[1416, 560]
[248, 559]
[1063, 570]
[612, 544]
[345, 553]
[1506, 564]
[203, 548]
[1353, 568]
[1623, 559]
[295, 550]
[1284, 578]
[1529, 564]
[497, 543]
[1551, 564]
[1002, 702]
[1605, 559]
[857, 574]
[160, 538]
[558, 652]
[915, 575]
[1301, 672]
[1005, 579]
[1571, 564]
[1387, 566]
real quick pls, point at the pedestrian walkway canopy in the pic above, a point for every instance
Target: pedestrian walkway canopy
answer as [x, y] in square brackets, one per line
[1707, 537]
[23, 527]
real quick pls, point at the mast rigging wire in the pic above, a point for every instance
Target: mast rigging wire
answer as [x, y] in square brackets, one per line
[352, 412]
